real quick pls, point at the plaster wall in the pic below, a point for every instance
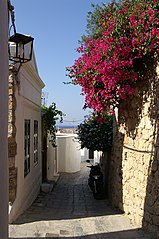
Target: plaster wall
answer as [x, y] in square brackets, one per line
[28, 106]
[85, 155]
[52, 163]
[68, 153]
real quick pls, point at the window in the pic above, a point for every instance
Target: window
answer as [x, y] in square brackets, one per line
[35, 141]
[26, 147]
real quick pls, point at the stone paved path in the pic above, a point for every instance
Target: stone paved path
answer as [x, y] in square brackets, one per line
[70, 211]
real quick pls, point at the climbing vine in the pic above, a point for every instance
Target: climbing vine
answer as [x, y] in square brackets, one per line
[50, 116]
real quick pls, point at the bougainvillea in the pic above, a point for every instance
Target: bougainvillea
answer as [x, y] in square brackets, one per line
[95, 134]
[112, 61]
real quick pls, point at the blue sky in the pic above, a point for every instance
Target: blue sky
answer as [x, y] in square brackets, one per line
[56, 26]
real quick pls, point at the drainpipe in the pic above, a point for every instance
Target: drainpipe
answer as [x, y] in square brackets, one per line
[4, 119]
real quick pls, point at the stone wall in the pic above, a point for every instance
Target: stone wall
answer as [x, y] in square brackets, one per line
[134, 167]
[12, 145]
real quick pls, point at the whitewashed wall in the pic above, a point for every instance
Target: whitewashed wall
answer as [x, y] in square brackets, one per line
[85, 155]
[28, 100]
[68, 153]
[67, 156]
[52, 163]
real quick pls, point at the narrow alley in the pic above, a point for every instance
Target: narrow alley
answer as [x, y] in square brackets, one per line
[70, 211]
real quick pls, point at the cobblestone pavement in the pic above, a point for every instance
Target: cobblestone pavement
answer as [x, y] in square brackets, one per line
[70, 211]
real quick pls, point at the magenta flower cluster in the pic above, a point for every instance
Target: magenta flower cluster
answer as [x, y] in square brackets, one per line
[106, 68]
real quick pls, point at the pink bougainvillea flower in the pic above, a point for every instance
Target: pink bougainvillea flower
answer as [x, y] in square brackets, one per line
[106, 69]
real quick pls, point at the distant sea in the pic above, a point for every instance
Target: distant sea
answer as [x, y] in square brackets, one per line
[61, 126]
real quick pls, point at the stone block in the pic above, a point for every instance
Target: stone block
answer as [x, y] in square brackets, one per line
[12, 183]
[12, 102]
[12, 195]
[148, 218]
[12, 149]
[11, 130]
[11, 116]
[156, 208]
[141, 177]
[12, 172]
[154, 166]
[138, 220]
[11, 162]
[155, 220]
[11, 91]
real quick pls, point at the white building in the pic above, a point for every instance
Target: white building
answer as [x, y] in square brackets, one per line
[66, 157]
[24, 137]
[87, 154]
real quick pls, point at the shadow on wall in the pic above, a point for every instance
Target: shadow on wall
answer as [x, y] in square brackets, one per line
[130, 111]
[105, 165]
[114, 188]
[130, 115]
[124, 126]
[151, 207]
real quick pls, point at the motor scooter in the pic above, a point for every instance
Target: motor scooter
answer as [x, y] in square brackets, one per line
[95, 180]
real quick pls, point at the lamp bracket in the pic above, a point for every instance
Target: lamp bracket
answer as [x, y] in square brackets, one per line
[11, 10]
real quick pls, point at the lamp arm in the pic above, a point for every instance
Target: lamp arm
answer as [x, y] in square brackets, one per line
[11, 10]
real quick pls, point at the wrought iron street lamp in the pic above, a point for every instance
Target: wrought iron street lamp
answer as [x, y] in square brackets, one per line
[20, 46]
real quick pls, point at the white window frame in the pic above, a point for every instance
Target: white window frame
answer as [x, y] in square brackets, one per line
[36, 151]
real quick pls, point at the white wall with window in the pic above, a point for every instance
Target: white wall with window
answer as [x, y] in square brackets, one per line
[28, 137]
